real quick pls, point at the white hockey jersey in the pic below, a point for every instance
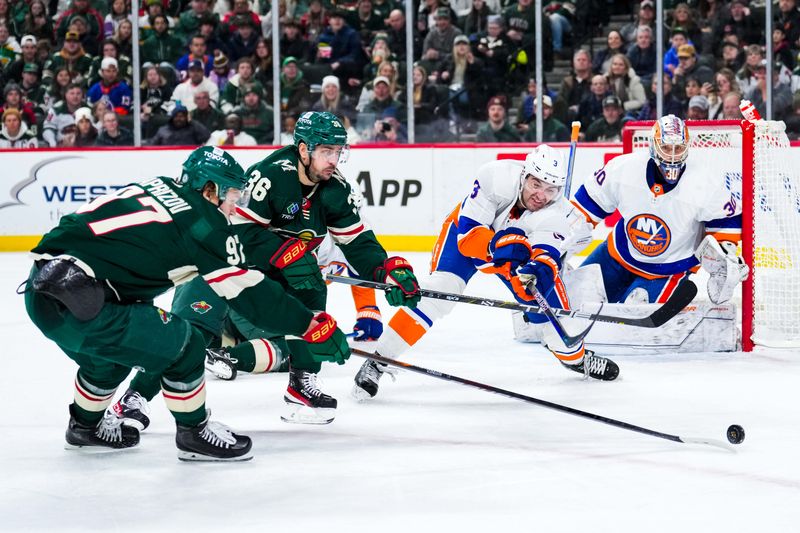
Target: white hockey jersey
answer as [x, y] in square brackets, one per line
[659, 230]
[492, 205]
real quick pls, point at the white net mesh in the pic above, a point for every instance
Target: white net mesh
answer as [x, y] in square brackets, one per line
[776, 229]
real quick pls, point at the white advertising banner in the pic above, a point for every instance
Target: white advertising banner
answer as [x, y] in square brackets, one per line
[408, 190]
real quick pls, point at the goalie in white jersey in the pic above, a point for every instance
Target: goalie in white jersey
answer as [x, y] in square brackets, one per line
[675, 212]
[516, 224]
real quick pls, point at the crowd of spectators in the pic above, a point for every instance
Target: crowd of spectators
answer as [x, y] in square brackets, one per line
[66, 75]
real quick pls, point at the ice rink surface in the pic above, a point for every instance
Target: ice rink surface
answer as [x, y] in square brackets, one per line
[425, 455]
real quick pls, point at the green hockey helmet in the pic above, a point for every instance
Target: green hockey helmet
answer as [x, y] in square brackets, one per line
[320, 127]
[211, 163]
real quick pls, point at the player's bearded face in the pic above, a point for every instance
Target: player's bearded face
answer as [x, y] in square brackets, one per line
[323, 162]
[536, 194]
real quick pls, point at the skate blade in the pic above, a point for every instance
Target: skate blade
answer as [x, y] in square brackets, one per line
[85, 449]
[295, 413]
[200, 458]
[359, 394]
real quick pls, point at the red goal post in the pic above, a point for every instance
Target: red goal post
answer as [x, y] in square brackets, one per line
[757, 155]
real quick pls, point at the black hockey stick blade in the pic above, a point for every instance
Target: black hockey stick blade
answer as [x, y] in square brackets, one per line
[680, 298]
[683, 296]
[543, 403]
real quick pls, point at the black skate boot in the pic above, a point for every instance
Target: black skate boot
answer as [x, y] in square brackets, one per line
[109, 434]
[305, 403]
[220, 363]
[367, 379]
[597, 367]
[132, 409]
[211, 441]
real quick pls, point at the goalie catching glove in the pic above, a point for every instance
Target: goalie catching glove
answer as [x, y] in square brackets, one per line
[725, 269]
[298, 265]
[326, 342]
[397, 271]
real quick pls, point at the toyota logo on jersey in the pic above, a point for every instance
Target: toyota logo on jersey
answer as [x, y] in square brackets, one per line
[648, 234]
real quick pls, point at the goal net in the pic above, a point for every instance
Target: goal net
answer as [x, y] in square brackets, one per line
[760, 169]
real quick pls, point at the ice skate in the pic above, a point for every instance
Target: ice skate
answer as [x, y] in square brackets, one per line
[305, 402]
[211, 441]
[108, 435]
[132, 409]
[596, 367]
[220, 363]
[367, 378]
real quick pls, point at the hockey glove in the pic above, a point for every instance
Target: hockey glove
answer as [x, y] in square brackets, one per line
[368, 324]
[396, 271]
[510, 248]
[326, 342]
[726, 270]
[298, 266]
[541, 271]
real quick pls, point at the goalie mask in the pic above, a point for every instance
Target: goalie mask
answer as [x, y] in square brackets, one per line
[543, 177]
[669, 146]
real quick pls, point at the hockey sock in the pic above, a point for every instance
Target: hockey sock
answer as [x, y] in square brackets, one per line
[300, 358]
[91, 400]
[183, 383]
[148, 384]
[257, 356]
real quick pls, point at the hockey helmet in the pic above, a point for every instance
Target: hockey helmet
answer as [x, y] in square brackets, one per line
[547, 164]
[211, 163]
[669, 146]
[320, 127]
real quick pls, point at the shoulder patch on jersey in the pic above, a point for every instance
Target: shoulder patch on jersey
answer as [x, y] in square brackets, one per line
[285, 164]
[201, 307]
[648, 234]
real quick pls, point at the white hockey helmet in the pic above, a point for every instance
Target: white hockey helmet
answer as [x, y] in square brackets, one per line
[669, 146]
[547, 164]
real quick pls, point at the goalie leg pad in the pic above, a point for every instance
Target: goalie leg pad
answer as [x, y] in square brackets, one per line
[63, 280]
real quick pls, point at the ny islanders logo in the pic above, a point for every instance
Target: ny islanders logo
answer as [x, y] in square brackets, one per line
[648, 234]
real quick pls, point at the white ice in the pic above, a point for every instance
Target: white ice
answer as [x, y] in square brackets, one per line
[425, 455]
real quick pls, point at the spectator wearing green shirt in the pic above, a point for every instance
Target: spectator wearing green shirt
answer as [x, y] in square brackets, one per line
[256, 116]
[497, 129]
[553, 130]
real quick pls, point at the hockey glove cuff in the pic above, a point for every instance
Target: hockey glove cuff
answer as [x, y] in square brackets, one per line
[368, 324]
[510, 246]
[326, 342]
[298, 266]
[398, 272]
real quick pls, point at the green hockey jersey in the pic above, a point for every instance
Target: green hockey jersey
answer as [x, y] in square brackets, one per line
[279, 201]
[150, 236]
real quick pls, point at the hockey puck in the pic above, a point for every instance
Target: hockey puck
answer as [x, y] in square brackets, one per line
[735, 434]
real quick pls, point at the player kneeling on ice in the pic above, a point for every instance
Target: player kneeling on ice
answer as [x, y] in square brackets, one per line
[515, 223]
[94, 280]
[676, 213]
[298, 196]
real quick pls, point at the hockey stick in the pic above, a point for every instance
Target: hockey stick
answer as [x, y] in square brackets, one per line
[568, 340]
[683, 295]
[537, 401]
[573, 146]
